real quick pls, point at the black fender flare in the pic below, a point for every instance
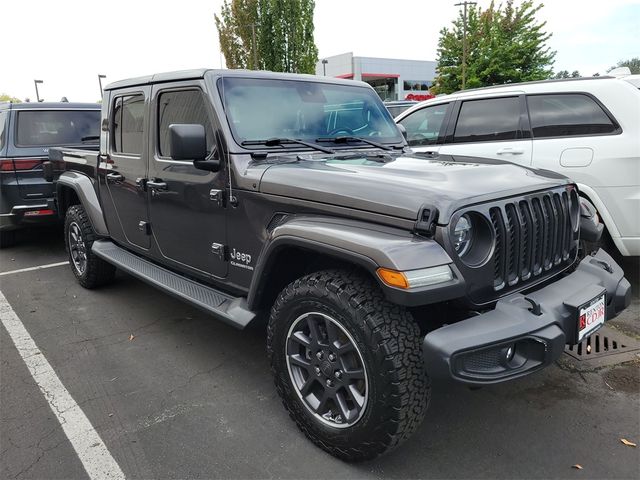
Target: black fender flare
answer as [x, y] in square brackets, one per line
[83, 186]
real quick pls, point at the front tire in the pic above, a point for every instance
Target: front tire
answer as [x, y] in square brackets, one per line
[347, 364]
[89, 270]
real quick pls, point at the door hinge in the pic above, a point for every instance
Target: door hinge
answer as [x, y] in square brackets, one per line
[217, 195]
[144, 227]
[141, 183]
[219, 250]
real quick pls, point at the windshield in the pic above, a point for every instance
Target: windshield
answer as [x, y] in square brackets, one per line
[57, 127]
[261, 109]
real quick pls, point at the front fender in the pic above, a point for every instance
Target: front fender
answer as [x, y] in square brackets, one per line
[366, 245]
[83, 186]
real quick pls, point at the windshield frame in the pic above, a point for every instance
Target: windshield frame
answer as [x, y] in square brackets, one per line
[218, 84]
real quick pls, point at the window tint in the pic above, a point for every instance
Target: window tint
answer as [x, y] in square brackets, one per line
[567, 114]
[186, 106]
[57, 127]
[3, 128]
[488, 120]
[425, 125]
[128, 116]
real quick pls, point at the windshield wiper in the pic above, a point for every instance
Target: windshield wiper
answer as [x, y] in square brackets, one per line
[90, 137]
[274, 142]
[347, 139]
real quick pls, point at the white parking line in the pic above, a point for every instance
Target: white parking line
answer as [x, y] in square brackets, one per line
[93, 453]
[30, 269]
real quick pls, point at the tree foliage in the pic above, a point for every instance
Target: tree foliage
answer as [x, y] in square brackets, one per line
[283, 35]
[632, 63]
[566, 74]
[8, 98]
[504, 44]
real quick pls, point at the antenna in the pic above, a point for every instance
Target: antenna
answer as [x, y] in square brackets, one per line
[233, 201]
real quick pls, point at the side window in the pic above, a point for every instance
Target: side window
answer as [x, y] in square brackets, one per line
[183, 106]
[128, 120]
[425, 125]
[569, 114]
[3, 128]
[488, 120]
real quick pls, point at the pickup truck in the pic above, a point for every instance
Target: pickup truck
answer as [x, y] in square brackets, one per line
[295, 198]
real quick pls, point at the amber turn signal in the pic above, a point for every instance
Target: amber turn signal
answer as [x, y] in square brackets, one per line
[393, 278]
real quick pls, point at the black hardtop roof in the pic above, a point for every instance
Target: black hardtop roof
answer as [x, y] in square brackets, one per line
[201, 72]
[50, 106]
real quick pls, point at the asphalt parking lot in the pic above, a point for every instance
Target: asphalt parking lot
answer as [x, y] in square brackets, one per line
[176, 394]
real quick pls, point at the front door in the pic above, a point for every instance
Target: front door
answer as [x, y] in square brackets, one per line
[188, 220]
[124, 168]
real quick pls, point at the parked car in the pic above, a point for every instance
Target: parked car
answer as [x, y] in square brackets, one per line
[587, 129]
[396, 107]
[380, 268]
[27, 131]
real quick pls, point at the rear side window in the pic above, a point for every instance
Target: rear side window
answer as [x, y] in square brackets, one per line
[185, 106]
[3, 128]
[38, 128]
[488, 120]
[566, 115]
[424, 126]
[128, 121]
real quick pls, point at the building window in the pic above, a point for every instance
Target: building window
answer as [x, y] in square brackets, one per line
[416, 85]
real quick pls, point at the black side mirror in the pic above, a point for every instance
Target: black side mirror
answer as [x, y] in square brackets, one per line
[403, 130]
[187, 142]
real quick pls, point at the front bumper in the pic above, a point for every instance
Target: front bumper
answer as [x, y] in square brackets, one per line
[476, 351]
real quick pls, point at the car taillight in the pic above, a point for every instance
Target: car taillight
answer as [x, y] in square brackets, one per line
[11, 164]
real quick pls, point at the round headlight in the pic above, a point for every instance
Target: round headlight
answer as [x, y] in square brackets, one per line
[462, 235]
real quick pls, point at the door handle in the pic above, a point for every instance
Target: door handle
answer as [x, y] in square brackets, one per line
[156, 185]
[114, 177]
[510, 151]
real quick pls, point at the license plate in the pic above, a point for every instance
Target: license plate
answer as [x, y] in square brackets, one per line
[591, 317]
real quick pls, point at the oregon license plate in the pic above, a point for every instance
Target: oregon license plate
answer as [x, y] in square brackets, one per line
[591, 317]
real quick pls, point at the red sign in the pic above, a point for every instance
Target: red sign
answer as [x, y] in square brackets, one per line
[419, 97]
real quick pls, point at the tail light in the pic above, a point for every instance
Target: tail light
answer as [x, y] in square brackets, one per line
[19, 164]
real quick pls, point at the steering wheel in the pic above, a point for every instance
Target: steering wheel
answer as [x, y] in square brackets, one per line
[335, 131]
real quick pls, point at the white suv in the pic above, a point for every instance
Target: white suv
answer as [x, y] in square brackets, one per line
[587, 129]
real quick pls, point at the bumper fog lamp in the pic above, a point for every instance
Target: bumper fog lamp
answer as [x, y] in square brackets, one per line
[416, 278]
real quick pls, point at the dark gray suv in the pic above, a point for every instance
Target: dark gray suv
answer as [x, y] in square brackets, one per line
[27, 130]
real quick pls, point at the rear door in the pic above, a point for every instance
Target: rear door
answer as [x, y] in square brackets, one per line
[123, 169]
[187, 219]
[496, 128]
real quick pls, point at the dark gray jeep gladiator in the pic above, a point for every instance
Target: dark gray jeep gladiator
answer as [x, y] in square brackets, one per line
[247, 192]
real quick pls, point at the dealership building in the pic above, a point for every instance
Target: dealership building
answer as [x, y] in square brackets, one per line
[393, 79]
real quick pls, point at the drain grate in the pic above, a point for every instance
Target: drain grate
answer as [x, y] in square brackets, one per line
[606, 342]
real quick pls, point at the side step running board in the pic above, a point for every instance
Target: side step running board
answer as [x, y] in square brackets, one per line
[232, 310]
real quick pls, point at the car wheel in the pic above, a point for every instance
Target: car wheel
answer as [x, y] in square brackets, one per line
[7, 238]
[79, 236]
[347, 364]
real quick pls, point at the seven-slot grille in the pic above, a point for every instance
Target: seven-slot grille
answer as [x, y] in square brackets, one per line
[532, 236]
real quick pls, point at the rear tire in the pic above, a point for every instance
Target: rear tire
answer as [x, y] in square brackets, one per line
[380, 398]
[7, 238]
[90, 270]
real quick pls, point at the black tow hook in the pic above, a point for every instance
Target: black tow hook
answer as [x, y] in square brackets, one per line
[603, 264]
[535, 306]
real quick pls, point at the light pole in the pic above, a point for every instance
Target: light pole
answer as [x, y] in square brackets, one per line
[100, 77]
[36, 82]
[324, 66]
[464, 39]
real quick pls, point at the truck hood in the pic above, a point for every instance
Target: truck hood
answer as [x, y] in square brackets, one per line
[400, 185]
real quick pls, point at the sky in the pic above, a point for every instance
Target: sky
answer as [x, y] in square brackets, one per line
[67, 43]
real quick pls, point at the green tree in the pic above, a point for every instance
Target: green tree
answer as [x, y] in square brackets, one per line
[632, 63]
[505, 44]
[272, 35]
[8, 98]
